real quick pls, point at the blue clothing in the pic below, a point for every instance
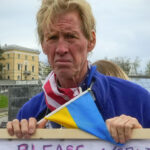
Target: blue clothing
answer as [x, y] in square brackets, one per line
[114, 97]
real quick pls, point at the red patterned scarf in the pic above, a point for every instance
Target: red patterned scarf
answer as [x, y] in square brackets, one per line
[56, 96]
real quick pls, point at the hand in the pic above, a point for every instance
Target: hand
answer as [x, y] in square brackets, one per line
[121, 127]
[23, 129]
[42, 123]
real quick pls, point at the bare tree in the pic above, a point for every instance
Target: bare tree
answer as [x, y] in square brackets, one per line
[147, 69]
[123, 62]
[126, 63]
[44, 69]
[136, 63]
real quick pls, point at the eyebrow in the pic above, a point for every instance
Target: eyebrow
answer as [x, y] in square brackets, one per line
[66, 32]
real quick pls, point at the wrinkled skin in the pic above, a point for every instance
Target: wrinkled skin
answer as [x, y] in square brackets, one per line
[121, 127]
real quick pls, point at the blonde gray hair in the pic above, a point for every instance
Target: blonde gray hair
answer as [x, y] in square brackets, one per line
[51, 8]
[110, 69]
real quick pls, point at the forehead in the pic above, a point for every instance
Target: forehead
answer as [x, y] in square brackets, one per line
[66, 21]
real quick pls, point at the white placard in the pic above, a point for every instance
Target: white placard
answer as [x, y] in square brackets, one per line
[71, 139]
[71, 145]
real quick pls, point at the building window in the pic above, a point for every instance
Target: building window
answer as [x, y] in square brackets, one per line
[18, 56]
[8, 67]
[33, 58]
[8, 77]
[18, 77]
[32, 68]
[19, 66]
[26, 68]
[26, 57]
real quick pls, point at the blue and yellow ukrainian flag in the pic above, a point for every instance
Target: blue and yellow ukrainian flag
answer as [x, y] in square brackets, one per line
[81, 112]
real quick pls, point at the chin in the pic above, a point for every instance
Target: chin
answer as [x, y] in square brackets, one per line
[64, 73]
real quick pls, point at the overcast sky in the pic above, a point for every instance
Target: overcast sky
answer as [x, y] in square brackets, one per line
[123, 27]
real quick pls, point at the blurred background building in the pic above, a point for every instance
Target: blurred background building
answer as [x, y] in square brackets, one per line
[19, 63]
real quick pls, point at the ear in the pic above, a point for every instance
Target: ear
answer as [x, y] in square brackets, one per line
[92, 42]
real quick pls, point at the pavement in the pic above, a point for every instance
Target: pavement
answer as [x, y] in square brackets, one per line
[3, 116]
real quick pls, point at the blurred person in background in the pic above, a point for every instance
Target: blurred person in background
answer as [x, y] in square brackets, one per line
[110, 69]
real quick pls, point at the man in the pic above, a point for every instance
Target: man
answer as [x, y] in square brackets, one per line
[66, 30]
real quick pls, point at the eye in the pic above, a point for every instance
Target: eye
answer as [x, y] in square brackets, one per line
[53, 37]
[70, 36]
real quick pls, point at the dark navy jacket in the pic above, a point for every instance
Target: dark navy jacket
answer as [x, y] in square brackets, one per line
[113, 96]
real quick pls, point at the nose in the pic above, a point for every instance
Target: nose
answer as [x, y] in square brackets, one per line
[62, 47]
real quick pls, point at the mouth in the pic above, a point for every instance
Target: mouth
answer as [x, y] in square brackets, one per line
[62, 62]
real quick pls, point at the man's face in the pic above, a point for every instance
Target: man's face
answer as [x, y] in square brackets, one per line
[66, 46]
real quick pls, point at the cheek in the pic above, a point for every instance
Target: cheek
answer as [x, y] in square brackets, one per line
[47, 49]
[49, 52]
[50, 56]
[80, 57]
[83, 52]
[44, 47]
[80, 49]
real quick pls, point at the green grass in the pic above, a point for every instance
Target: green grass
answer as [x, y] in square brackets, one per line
[3, 101]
